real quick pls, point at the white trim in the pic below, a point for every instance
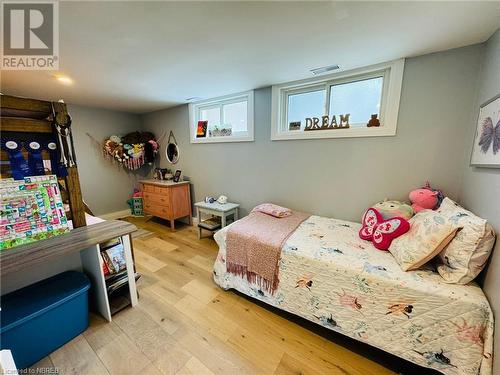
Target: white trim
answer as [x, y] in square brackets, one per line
[389, 109]
[227, 99]
[115, 215]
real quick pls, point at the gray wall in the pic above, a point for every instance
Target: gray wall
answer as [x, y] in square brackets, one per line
[481, 186]
[341, 177]
[105, 186]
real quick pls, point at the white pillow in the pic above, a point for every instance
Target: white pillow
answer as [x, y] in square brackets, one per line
[429, 233]
[466, 255]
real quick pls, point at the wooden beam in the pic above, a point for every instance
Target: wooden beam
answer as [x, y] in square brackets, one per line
[25, 125]
[39, 107]
[76, 204]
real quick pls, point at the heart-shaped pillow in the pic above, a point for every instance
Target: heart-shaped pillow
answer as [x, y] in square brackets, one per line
[381, 232]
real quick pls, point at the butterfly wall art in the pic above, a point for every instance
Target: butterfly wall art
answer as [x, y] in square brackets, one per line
[486, 149]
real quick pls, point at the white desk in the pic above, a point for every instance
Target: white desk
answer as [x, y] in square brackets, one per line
[216, 209]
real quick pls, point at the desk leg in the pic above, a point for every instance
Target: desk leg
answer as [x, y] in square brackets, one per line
[130, 269]
[223, 220]
[235, 214]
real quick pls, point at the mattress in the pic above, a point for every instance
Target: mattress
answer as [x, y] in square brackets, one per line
[328, 275]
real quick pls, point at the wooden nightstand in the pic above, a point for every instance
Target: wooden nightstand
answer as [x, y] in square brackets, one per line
[215, 210]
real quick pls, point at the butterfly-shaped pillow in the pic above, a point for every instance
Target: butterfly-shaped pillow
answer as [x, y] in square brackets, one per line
[381, 232]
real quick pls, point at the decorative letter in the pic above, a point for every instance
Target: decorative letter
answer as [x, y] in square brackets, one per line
[333, 124]
[316, 123]
[344, 120]
[324, 122]
[308, 124]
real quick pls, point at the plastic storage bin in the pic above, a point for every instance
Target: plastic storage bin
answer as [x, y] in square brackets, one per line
[41, 317]
[137, 206]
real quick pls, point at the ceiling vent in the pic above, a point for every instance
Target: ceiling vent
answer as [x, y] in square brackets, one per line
[324, 69]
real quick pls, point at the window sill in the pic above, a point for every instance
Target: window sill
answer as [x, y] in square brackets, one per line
[222, 139]
[335, 133]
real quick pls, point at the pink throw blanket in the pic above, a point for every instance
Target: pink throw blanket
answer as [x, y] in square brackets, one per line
[253, 246]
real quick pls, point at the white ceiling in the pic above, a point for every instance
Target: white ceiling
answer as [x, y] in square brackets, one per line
[144, 56]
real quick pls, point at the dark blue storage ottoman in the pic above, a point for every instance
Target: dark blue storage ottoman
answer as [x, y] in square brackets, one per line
[38, 319]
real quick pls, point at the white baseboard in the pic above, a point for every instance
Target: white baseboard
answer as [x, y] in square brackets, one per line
[115, 215]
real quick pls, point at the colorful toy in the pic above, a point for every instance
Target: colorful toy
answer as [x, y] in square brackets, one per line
[381, 232]
[426, 198]
[389, 209]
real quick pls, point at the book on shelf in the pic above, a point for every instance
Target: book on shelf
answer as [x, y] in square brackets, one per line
[105, 269]
[110, 243]
[116, 284]
[114, 257]
[211, 224]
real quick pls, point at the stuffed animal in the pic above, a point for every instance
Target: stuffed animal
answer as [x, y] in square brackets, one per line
[133, 149]
[390, 209]
[120, 154]
[116, 139]
[110, 147]
[381, 232]
[426, 198]
[423, 199]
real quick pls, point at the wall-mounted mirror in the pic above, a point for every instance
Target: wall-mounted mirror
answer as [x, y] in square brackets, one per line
[172, 151]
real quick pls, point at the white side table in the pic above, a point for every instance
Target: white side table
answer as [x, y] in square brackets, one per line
[216, 209]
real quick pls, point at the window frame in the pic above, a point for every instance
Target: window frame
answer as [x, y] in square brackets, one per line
[392, 73]
[196, 107]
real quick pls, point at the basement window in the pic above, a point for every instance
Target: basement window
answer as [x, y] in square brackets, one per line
[357, 103]
[223, 119]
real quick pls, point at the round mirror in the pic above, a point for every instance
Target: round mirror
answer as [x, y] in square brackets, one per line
[172, 153]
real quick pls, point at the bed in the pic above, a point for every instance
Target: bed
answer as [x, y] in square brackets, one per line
[328, 275]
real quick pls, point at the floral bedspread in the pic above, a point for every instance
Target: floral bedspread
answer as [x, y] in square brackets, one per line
[330, 276]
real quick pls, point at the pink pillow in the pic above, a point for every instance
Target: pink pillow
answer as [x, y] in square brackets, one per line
[381, 232]
[273, 210]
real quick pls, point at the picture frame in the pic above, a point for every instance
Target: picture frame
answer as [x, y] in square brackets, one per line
[177, 175]
[486, 148]
[201, 129]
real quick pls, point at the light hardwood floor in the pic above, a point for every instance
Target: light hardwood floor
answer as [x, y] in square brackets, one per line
[185, 324]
